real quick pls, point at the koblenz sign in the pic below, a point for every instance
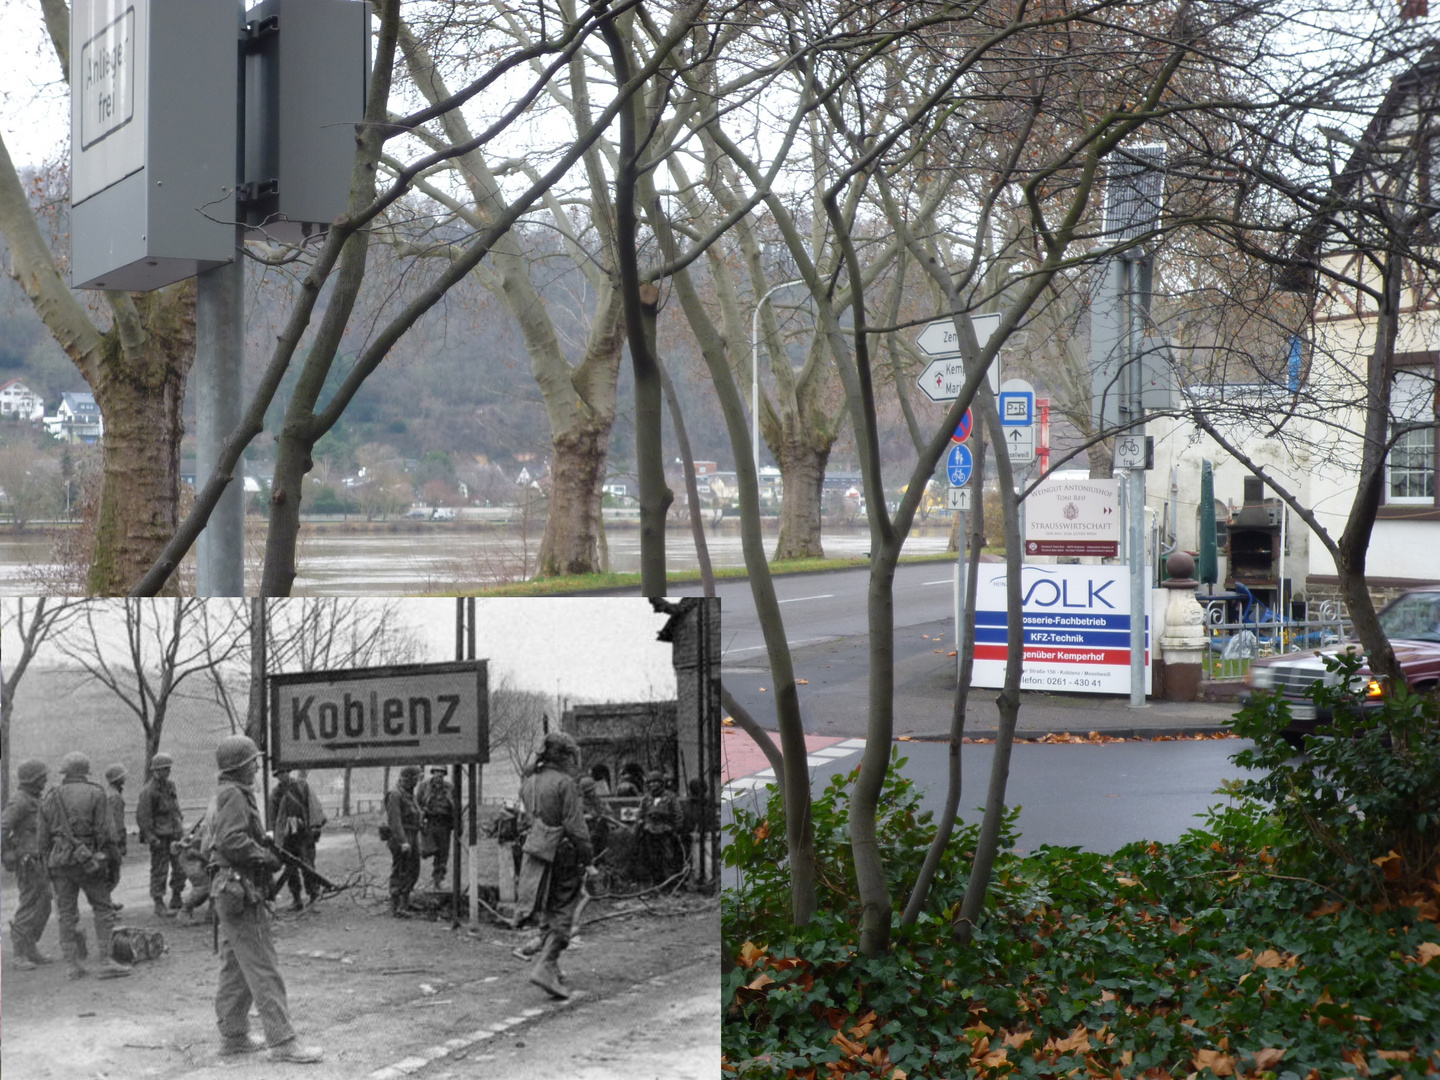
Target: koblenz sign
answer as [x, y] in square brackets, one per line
[409, 714]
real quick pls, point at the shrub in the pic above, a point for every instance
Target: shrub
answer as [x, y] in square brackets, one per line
[1360, 808]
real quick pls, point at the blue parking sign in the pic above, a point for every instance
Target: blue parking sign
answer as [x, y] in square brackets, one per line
[958, 465]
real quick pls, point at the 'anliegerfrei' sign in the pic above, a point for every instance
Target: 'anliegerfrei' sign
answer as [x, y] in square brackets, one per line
[415, 713]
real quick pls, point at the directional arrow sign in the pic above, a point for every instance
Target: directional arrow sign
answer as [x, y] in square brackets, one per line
[958, 499]
[941, 380]
[959, 464]
[938, 338]
[1020, 441]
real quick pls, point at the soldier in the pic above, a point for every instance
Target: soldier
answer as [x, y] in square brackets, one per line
[290, 810]
[402, 814]
[115, 796]
[77, 839]
[597, 819]
[660, 821]
[193, 865]
[161, 823]
[241, 862]
[20, 851]
[557, 851]
[437, 810]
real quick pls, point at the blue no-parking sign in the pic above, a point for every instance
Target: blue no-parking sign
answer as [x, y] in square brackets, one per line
[958, 465]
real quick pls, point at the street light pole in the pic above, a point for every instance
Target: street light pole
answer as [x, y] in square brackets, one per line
[755, 377]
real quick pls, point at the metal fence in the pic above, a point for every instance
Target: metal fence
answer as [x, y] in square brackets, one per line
[1237, 639]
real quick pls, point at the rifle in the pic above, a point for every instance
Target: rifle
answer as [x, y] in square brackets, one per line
[298, 863]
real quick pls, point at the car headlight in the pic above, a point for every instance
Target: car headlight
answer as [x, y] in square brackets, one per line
[1260, 677]
[1374, 690]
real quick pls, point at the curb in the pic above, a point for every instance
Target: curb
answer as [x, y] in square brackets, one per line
[1183, 731]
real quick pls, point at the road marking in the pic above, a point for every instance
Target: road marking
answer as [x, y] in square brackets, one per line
[797, 599]
[824, 756]
[946, 581]
[408, 1066]
[794, 643]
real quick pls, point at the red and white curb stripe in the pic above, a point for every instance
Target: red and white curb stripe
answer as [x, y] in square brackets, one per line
[827, 755]
[419, 1060]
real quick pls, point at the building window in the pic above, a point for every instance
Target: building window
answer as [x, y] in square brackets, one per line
[1410, 470]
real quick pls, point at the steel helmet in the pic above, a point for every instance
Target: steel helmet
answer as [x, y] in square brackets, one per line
[162, 761]
[31, 770]
[410, 772]
[235, 751]
[75, 764]
[115, 773]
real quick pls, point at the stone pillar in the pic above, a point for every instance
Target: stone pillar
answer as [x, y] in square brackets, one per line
[1184, 645]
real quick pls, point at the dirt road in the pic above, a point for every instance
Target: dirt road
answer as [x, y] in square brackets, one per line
[389, 998]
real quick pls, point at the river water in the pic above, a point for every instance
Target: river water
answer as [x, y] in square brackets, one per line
[438, 557]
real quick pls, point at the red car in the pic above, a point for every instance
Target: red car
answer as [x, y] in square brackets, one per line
[1411, 622]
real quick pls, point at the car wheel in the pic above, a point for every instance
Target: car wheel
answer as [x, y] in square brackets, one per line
[1295, 739]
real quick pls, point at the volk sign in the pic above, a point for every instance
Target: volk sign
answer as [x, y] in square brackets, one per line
[1076, 622]
[411, 714]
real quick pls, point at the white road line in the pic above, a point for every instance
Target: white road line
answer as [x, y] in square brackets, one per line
[793, 643]
[946, 581]
[797, 599]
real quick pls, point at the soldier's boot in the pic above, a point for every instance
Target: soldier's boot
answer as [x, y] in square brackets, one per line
[230, 1045]
[34, 955]
[176, 900]
[293, 1052]
[81, 949]
[20, 946]
[160, 909]
[69, 946]
[398, 906]
[546, 972]
[110, 968]
[113, 969]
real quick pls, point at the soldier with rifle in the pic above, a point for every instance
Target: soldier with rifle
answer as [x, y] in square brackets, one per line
[241, 860]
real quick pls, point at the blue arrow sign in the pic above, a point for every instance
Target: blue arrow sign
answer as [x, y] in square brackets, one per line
[958, 465]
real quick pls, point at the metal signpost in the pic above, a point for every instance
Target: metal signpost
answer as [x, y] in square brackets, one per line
[1120, 355]
[191, 121]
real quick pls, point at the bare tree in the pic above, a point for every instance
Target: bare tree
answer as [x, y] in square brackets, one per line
[142, 651]
[28, 624]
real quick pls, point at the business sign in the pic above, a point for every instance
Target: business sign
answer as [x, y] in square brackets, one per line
[1076, 626]
[414, 714]
[1080, 516]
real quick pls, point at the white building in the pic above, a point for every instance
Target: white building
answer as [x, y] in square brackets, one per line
[18, 400]
[77, 419]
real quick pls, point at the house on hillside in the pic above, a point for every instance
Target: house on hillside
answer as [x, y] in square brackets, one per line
[1303, 417]
[78, 419]
[19, 401]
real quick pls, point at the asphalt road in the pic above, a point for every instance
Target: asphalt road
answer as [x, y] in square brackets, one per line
[826, 627]
[1097, 797]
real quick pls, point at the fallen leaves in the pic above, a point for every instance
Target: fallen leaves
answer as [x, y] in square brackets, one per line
[1217, 1061]
[1427, 951]
[1271, 958]
[1268, 1057]
[802, 682]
